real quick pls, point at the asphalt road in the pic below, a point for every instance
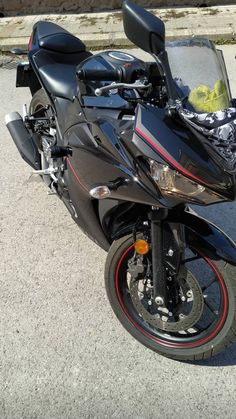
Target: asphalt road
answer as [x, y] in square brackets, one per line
[63, 353]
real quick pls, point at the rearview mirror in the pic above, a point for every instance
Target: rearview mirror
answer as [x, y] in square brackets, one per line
[143, 28]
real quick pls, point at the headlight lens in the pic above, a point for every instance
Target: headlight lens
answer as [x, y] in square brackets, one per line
[173, 184]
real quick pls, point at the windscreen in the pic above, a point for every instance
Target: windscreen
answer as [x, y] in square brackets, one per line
[200, 75]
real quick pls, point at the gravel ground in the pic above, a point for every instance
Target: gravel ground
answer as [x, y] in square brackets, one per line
[63, 353]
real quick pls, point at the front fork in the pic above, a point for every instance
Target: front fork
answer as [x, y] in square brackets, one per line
[167, 250]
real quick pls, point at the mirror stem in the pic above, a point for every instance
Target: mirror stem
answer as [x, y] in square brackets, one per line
[164, 67]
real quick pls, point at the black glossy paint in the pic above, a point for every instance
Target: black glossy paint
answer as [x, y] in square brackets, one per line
[181, 146]
[109, 150]
[54, 38]
[105, 62]
[86, 215]
[99, 157]
[205, 236]
[143, 28]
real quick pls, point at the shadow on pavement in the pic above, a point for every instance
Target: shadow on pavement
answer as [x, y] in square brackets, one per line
[224, 359]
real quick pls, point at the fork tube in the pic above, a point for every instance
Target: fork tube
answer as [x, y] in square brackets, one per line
[158, 272]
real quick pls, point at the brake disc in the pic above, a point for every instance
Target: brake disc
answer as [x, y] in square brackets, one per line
[162, 318]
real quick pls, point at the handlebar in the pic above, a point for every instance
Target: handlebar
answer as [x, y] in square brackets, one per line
[101, 75]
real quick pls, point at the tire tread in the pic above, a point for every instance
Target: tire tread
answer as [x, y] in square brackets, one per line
[229, 337]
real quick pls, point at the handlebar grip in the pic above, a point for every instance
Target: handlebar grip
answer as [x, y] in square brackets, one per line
[100, 75]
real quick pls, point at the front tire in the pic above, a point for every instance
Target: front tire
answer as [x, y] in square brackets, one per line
[201, 344]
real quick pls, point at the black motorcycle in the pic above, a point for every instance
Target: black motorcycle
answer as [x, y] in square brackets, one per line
[128, 145]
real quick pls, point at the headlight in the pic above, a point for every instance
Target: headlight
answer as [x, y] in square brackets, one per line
[173, 184]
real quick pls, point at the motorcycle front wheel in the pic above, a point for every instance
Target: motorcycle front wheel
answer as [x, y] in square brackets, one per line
[202, 321]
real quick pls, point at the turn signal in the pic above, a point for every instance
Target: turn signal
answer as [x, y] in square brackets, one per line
[100, 192]
[141, 247]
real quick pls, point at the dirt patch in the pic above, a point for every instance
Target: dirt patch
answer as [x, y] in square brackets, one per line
[117, 16]
[91, 21]
[174, 14]
[211, 12]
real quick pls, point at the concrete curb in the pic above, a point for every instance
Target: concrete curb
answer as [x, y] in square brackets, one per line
[26, 7]
[105, 30]
[118, 40]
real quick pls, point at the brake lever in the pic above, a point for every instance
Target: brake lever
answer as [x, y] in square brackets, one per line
[113, 86]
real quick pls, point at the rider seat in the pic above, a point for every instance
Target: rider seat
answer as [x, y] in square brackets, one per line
[59, 54]
[54, 38]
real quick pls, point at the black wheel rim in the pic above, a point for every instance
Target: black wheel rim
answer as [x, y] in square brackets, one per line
[204, 333]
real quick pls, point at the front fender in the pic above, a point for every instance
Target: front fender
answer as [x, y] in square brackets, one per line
[199, 233]
[206, 237]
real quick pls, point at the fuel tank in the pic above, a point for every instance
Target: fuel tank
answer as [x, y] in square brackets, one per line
[108, 60]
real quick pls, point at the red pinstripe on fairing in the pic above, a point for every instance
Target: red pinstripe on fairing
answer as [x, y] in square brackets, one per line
[168, 158]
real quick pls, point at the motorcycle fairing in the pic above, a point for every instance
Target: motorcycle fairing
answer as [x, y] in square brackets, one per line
[205, 236]
[163, 139]
[85, 211]
[106, 161]
[100, 152]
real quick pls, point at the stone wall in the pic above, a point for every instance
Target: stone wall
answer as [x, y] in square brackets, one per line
[24, 7]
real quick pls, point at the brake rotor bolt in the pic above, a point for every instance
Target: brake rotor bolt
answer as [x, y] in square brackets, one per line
[169, 278]
[189, 294]
[149, 302]
[183, 298]
[159, 301]
[170, 252]
[170, 314]
[181, 316]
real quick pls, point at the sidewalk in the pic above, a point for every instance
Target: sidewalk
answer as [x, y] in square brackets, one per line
[101, 30]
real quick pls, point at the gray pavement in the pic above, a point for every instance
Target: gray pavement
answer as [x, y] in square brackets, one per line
[63, 354]
[100, 30]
